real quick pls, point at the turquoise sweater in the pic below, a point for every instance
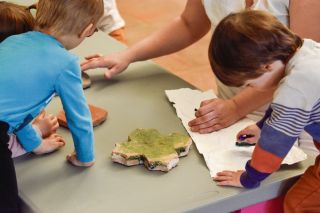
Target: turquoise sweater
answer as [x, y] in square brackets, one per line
[33, 68]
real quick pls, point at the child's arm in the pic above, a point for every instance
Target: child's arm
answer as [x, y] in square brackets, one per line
[69, 88]
[217, 113]
[29, 138]
[279, 132]
[20, 144]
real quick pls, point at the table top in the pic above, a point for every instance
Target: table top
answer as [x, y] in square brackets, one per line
[134, 99]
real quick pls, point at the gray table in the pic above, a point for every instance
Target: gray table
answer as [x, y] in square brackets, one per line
[134, 99]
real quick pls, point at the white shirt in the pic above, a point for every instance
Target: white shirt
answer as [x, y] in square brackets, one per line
[218, 9]
[111, 19]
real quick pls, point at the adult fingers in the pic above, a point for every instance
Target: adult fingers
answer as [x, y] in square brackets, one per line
[206, 102]
[91, 64]
[205, 109]
[210, 129]
[112, 72]
[203, 119]
[96, 55]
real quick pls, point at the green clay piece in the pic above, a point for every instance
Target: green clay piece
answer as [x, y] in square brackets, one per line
[154, 150]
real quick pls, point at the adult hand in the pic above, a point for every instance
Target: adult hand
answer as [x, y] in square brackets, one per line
[115, 63]
[252, 130]
[72, 158]
[229, 178]
[213, 115]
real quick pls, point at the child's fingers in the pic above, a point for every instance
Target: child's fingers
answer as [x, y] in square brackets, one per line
[226, 183]
[61, 144]
[42, 114]
[251, 140]
[55, 127]
[60, 139]
[226, 173]
[57, 136]
[51, 117]
[222, 178]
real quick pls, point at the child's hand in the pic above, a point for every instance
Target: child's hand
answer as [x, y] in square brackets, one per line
[72, 158]
[228, 178]
[213, 115]
[253, 130]
[47, 124]
[49, 144]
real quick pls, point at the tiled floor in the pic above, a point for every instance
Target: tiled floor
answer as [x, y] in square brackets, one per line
[146, 16]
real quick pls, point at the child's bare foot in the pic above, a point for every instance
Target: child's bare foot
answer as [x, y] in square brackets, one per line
[50, 144]
[47, 124]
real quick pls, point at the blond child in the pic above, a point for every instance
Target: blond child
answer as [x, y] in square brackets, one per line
[254, 45]
[35, 66]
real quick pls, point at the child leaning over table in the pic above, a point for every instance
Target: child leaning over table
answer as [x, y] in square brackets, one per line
[16, 19]
[36, 65]
[254, 44]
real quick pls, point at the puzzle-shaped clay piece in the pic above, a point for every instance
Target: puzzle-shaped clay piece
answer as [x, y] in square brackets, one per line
[98, 116]
[86, 81]
[149, 147]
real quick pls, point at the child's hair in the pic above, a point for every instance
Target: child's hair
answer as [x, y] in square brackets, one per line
[244, 41]
[14, 20]
[63, 17]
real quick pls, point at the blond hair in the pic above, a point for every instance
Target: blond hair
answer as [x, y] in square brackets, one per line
[65, 17]
[244, 41]
[14, 19]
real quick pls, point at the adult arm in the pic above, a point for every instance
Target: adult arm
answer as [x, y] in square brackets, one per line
[304, 18]
[183, 31]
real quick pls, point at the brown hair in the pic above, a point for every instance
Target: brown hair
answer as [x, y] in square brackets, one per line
[14, 19]
[64, 17]
[244, 41]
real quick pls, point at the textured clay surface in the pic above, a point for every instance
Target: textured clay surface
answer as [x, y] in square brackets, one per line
[98, 115]
[154, 150]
